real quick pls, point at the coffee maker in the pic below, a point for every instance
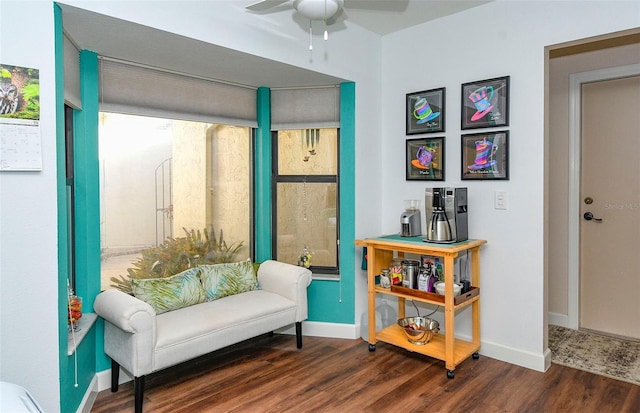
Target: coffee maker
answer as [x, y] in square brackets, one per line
[410, 224]
[446, 211]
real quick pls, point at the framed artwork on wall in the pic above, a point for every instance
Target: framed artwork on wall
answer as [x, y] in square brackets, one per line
[425, 159]
[425, 111]
[485, 156]
[485, 103]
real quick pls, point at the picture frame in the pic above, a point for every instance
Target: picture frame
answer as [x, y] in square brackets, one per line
[485, 103]
[425, 111]
[485, 156]
[425, 159]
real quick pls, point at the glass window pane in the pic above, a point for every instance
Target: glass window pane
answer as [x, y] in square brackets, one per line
[308, 152]
[307, 217]
[160, 177]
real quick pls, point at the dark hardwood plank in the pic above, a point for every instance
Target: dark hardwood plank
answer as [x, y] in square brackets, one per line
[269, 374]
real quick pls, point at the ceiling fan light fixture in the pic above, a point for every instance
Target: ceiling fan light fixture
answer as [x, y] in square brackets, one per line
[318, 9]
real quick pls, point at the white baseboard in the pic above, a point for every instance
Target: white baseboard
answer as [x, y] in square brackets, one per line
[533, 361]
[519, 357]
[320, 329]
[89, 397]
[561, 320]
[104, 379]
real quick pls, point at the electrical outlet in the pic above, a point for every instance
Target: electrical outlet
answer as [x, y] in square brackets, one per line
[500, 200]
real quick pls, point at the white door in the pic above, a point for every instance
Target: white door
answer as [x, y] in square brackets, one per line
[610, 207]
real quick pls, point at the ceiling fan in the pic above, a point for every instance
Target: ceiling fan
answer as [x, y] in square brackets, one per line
[311, 9]
[323, 10]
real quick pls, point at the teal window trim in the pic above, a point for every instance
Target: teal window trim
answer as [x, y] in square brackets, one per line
[262, 177]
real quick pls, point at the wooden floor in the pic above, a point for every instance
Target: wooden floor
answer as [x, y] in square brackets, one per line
[269, 374]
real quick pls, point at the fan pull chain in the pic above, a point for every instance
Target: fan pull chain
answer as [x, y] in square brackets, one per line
[326, 33]
[310, 37]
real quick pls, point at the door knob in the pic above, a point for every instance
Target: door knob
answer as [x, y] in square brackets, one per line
[589, 217]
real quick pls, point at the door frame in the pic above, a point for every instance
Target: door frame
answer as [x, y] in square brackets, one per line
[576, 80]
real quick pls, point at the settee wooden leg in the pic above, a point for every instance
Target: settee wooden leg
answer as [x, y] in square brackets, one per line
[299, 334]
[138, 389]
[115, 375]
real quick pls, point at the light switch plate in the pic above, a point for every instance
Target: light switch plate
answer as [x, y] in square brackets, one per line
[500, 200]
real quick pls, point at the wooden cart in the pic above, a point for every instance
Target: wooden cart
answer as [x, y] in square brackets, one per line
[451, 350]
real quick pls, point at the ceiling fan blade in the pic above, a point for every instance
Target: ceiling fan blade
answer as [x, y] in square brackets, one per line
[393, 6]
[265, 5]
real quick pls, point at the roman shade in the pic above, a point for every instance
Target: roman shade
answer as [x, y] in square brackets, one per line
[142, 90]
[71, 74]
[305, 108]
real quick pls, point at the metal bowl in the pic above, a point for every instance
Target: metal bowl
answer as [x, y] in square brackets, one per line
[419, 330]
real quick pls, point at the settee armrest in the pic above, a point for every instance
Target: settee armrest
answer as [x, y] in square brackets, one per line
[290, 281]
[124, 311]
[129, 331]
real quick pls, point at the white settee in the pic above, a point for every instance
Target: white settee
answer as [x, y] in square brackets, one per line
[142, 342]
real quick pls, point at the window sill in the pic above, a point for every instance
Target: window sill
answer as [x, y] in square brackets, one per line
[84, 325]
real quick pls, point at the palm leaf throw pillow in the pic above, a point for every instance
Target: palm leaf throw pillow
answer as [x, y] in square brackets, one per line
[221, 280]
[170, 293]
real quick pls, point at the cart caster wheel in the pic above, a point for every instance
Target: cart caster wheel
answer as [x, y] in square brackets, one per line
[450, 374]
[476, 355]
[372, 347]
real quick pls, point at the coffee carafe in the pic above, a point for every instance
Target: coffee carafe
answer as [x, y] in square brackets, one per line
[439, 227]
[446, 209]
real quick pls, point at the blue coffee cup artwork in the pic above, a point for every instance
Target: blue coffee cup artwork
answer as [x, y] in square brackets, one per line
[422, 111]
[425, 111]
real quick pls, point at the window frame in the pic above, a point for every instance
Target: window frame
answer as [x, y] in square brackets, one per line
[276, 178]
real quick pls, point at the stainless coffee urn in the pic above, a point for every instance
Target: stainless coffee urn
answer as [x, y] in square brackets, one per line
[446, 211]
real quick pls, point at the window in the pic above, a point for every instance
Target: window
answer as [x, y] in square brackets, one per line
[160, 177]
[305, 197]
[71, 216]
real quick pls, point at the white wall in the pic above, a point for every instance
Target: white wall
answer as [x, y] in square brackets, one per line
[501, 38]
[28, 223]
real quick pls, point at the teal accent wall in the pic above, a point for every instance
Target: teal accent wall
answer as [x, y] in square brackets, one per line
[87, 174]
[80, 367]
[262, 177]
[334, 301]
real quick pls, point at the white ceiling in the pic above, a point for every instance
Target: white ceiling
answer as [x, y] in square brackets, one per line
[388, 16]
[112, 37]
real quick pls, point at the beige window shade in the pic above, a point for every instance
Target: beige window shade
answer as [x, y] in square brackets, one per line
[139, 90]
[71, 74]
[305, 108]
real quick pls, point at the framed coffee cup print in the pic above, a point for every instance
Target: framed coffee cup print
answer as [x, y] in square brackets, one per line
[425, 159]
[425, 111]
[485, 103]
[485, 156]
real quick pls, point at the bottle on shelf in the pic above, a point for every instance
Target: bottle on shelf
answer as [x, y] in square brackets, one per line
[395, 270]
